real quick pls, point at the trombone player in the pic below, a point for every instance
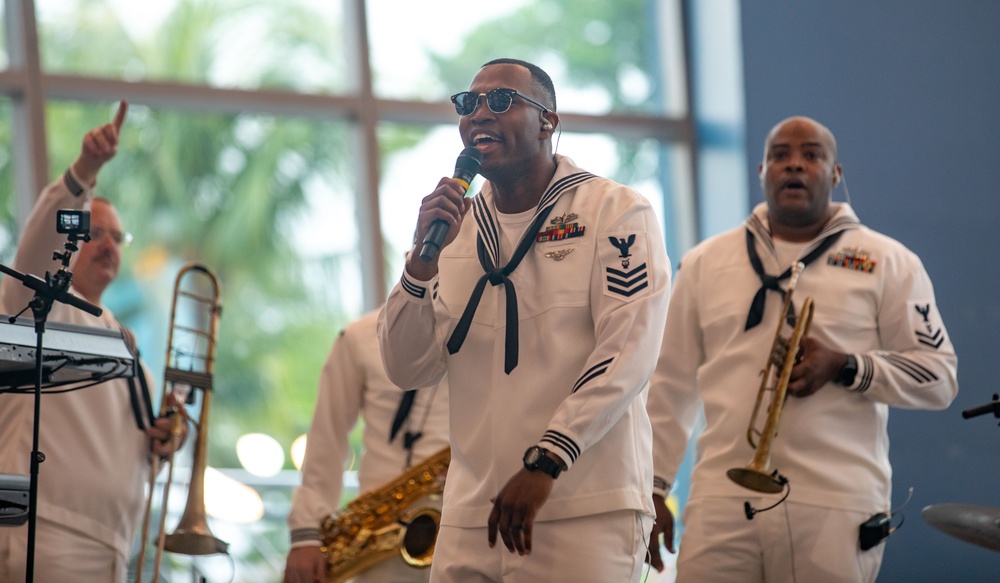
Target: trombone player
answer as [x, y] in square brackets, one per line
[876, 340]
[91, 485]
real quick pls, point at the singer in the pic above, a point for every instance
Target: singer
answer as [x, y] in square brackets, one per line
[545, 308]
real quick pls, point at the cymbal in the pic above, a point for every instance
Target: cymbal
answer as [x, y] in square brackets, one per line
[979, 525]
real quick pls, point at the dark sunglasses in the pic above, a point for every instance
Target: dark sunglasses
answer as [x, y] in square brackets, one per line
[498, 100]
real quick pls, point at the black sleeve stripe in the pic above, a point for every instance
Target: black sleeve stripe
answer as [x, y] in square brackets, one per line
[75, 188]
[868, 372]
[564, 443]
[592, 373]
[587, 379]
[412, 288]
[306, 534]
[661, 484]
[917, 371]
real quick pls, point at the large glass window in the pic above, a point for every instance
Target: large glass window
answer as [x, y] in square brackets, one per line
[292, 44]
[8, 208]
[603, 56]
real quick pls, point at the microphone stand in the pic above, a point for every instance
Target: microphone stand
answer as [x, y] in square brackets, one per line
[991, 407]
[53, 288]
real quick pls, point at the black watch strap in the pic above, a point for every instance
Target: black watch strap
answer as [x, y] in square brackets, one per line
[848, 372]
[537, 459]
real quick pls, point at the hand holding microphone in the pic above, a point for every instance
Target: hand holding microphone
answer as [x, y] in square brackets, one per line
[466, 168]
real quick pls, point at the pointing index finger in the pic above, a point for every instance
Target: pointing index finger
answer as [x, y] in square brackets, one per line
[120, 114]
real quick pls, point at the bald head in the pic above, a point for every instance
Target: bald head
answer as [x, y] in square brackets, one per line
[802, 122]
[798, 174]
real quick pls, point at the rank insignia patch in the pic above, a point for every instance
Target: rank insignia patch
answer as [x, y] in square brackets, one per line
[927, 324]
[561, 227]
[628, 283]
[852, 258]
[626, 272]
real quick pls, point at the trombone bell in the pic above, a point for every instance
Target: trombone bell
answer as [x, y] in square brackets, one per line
[194, 539]
[190, 362]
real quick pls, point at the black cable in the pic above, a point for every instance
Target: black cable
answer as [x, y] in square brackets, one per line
[749, 510]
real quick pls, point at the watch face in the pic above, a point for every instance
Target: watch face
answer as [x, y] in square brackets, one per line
[532, 456]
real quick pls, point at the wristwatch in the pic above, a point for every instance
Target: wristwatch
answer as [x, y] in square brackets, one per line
[848, 372]
[535, 459]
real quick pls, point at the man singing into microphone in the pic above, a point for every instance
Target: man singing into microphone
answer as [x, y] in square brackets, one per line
[546, 310]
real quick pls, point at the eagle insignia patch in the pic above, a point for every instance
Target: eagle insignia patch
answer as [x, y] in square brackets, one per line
[626, 272]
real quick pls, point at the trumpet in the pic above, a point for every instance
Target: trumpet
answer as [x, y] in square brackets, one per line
[194, 323]
[783, 354]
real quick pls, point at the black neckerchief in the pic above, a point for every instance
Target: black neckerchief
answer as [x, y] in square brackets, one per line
[488, 249]
[770, 282]
[405, 404]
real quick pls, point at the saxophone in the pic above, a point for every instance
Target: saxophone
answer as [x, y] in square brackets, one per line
[380, 523]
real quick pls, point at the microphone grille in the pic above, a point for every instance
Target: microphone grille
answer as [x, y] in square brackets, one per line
[468, 163]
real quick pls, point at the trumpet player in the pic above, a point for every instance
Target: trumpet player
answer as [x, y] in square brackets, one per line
[91, 484]
[401, 429]
[876, 340]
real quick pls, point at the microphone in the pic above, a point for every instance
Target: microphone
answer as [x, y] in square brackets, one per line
[466, 168]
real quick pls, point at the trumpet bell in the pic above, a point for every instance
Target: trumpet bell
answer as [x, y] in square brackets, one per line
[756, 480]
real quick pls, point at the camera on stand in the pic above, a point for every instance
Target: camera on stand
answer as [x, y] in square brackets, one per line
[73, 222]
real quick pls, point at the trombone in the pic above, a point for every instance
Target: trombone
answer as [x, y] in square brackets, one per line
[783, 353]
[194, 323]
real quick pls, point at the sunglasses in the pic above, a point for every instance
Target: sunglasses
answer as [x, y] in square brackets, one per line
[498, 100]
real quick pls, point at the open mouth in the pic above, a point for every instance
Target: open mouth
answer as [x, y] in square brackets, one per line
[484, 138]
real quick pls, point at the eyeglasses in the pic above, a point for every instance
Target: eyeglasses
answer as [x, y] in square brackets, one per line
[498, 100]
[121, 239]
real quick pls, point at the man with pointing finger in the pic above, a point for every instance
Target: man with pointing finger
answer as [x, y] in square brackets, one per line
[91, 484]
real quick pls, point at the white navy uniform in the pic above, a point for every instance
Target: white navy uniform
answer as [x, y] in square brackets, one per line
[591, 298]
[91, 485]
[873, 299]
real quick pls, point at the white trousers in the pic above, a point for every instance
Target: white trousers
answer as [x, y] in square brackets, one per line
[591, 549]
[791, 543]
[60, 555]
[394, 570]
